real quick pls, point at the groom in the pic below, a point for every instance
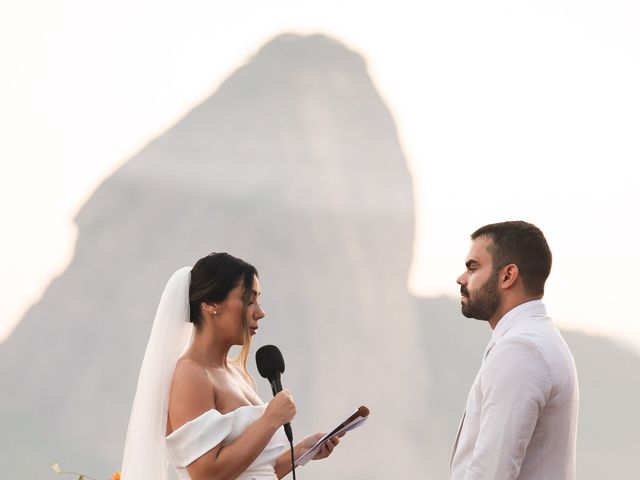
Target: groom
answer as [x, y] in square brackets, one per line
[522, 410]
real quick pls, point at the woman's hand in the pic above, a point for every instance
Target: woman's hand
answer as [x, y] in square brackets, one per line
[324, 452]
[281, 409]
[283, 463]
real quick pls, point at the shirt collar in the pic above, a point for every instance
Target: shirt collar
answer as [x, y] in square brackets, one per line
[527, 309]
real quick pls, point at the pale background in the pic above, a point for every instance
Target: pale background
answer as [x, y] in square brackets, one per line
[473, 86]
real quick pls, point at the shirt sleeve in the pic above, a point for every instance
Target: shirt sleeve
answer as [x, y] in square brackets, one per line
[515, 384]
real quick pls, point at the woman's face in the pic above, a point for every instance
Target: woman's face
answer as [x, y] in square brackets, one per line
[238, 306]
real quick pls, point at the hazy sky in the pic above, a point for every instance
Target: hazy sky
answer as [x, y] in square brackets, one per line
[506, 110]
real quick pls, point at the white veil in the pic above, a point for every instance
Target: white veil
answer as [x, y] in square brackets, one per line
[144, 451]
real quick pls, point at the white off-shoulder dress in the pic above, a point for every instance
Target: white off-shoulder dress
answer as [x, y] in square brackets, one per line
[196, 437]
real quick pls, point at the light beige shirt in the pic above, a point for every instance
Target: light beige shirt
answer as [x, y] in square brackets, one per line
[522, 411]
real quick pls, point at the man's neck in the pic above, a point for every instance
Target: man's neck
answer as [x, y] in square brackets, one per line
[509, 304]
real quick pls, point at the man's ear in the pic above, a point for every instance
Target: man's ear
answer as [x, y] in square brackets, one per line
[508, 275]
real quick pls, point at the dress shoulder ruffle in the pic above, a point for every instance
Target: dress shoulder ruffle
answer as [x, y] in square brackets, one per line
[196, 437]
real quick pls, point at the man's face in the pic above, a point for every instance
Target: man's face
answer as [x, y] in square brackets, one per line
[480, 297]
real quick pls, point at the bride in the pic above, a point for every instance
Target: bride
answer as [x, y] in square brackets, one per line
[196, 410]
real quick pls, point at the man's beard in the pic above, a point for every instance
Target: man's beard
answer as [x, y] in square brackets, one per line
[483, 303]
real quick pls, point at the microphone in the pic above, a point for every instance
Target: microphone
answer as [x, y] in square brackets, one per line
[270, 365]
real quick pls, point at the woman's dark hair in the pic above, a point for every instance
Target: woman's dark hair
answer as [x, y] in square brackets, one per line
[212, 278]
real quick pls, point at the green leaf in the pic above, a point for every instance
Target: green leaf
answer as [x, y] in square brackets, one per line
[56, 468]
[81, 477]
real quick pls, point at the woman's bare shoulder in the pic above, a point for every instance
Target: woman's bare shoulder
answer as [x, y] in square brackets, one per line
[192, 392]
[190, 370]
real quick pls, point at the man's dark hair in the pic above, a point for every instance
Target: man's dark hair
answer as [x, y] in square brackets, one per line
[522, 244]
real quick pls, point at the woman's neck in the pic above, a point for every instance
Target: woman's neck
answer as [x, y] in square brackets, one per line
[209, 350]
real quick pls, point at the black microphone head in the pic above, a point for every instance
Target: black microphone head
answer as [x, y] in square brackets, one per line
[270, 362]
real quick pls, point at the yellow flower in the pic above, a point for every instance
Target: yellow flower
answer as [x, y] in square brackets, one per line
[115, 476]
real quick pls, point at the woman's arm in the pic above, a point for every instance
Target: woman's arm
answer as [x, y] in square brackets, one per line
[192, 395]
[283, 462]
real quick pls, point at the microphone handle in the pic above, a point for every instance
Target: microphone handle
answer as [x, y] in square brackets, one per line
[276, 386]
[288, 431]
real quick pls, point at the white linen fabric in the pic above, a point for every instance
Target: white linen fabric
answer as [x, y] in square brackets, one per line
[196, 437]
[522, 411]
[144, 452]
